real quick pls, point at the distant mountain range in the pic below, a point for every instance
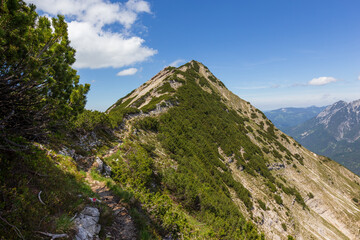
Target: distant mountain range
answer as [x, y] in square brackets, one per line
[286, 118]
[334, 132]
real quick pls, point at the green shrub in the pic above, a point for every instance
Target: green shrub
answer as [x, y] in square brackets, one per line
[271, 186]
[166, 88]
[147, 123]
[155, 100]
[262, 205]
[278, 199]
[92, 120]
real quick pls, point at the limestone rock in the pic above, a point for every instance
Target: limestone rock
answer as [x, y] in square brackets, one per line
[107, 170]
[87, 224]
[99, 165]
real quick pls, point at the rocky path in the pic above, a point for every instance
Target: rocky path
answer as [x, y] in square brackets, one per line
[123, 226]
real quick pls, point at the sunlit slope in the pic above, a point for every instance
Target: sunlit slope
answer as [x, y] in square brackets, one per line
[223, 162]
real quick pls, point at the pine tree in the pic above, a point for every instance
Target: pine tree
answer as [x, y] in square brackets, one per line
[39, 90]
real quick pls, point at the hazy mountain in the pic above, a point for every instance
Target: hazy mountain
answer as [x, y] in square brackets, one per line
[335, 132]
[286, 118]
[222, 163]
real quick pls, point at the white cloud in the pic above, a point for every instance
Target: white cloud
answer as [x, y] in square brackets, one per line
[138, 6]
[127, 72]
[97, 46]
[177, 63]
[99, 49]
[359, 77]
[322, 81]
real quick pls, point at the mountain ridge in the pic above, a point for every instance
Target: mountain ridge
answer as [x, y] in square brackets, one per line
[334, 132]
[287, 118]
[270, 178]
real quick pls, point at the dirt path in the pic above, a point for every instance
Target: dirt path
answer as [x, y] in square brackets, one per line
[123, 226]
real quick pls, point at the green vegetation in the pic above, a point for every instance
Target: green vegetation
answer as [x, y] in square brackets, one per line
[285, 137]
[39, 92]
[118, 113]
[213, 79]
[141, 100]
[166, 88]
[195, 196]
[191, 133]
[262, 205]
[148, 123]
[141, 220]
[292, 191]
[299, 158]
[92, 121]
[271, 186]
[22, 176]
[156, 100]
[278, 199]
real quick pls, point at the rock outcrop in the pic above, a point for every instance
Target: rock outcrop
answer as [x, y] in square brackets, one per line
[87, 224]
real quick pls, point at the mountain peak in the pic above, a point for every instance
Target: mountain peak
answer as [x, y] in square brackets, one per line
[219, 157]
[355, 104]
[160, 88]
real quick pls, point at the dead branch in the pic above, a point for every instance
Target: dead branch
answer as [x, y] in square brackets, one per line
[40, 198]
[72, 219]
[14, 227]
[53, 236]
[38, 174]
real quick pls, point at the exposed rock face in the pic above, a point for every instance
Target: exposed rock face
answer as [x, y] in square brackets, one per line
[342, 120]
[276, 166]
[99, 165]
[102, 167]
[107, 171]
[87, 224]
[334, 132]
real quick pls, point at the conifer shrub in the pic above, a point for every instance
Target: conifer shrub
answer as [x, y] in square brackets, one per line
[278, 199]
[166, 88]
[147, 123]
[262, 205]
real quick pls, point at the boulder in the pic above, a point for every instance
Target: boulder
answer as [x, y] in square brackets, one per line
[87, 224]
[107, 170]
[99, 165]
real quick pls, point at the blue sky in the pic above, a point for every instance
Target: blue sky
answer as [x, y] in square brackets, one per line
[280, 53]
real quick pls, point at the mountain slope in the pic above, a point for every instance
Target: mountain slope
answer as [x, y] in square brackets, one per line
[286, 118]
[220, 162]
[335, 132]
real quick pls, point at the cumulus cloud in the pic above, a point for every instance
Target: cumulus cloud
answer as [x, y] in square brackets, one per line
[127, 72]
[322, 81]
[90, 32]
[177, 63]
